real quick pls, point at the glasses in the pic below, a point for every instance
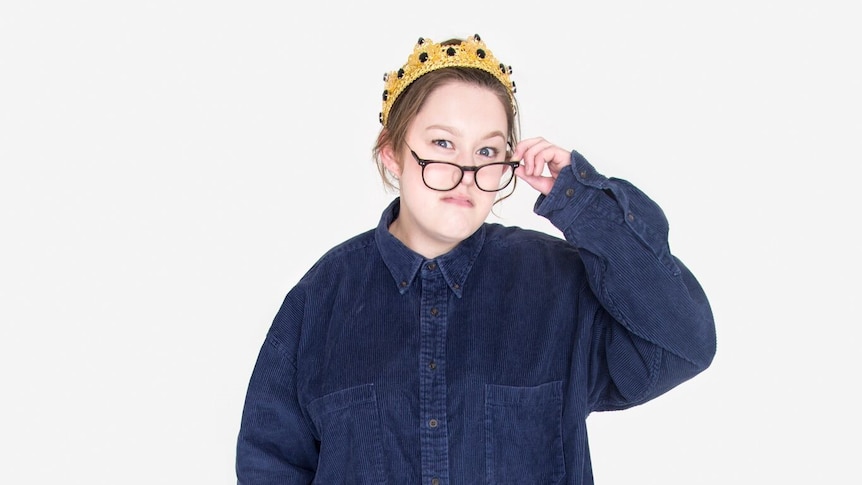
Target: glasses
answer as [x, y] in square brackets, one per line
[443, 176]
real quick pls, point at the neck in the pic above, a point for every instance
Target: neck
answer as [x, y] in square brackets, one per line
[426, 247]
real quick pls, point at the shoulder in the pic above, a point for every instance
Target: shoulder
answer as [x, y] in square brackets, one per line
[360, 242]
[499, 236]
[343, 255]
[528, 253]
[338, 266]
[333, 266]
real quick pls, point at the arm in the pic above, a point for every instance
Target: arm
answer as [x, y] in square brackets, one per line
[276, 442]
[653, 327]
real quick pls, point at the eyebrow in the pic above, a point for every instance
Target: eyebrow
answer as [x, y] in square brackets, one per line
[493, 134]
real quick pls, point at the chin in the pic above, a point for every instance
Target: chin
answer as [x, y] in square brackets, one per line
[459, 232]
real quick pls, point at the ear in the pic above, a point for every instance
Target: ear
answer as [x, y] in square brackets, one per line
[390, 161]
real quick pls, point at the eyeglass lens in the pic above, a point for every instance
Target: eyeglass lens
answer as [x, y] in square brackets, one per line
[447, 176]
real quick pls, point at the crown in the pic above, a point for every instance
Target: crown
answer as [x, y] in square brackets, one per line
[429, 56]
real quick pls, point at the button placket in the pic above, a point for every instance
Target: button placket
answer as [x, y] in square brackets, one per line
[433, 395]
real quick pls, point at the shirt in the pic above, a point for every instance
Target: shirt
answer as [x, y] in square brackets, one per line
[479, 366]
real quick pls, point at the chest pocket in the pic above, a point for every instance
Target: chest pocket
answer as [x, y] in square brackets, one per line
[523, 434]
[348, 427]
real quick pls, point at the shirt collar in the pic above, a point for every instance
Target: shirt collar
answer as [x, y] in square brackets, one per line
[404, 263]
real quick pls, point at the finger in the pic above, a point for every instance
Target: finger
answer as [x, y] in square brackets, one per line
[523, 146]
[541, 154]
[541, 183]
[555, 158]
[531, 151]
[520, 151]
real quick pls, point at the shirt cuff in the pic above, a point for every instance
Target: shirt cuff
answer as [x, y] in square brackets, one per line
[576, 185]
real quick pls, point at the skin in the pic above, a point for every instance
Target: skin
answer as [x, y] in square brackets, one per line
[464, 124]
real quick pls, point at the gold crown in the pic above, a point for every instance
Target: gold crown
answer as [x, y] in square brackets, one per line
[429, 56]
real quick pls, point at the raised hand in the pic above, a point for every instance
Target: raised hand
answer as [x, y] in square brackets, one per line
[536, 154]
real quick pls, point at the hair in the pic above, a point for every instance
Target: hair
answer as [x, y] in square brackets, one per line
[411, 101]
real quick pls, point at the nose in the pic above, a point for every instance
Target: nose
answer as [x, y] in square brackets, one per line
[469, 177]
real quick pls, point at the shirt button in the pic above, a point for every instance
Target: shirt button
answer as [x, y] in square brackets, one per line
[570, 192]
[435, 481]
[435, 312]
[432, 266]
[432, 365]
[583, 174]
[631, 217]
[456, 286]
[403, 284]
[432, 423]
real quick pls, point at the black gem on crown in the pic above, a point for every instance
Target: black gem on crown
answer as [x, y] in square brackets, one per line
[480, 53]
[477, 38]
[385, 76]
[420, 41]
[385, 94]
[400, 73]
[450, 51]
[380, 117]
[502, 68]
[423, 57]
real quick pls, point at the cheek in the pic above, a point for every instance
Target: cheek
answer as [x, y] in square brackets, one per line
[486, 199]
[411, 186]
[411, 173]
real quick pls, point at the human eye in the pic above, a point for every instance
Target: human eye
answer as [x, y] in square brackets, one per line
[488, 152]
[442, 143]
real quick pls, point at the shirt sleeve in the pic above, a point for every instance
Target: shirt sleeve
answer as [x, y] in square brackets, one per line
[276, 443]
[653, 327]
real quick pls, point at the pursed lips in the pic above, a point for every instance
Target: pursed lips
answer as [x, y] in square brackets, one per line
[462, 201]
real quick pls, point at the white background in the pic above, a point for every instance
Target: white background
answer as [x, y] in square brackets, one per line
[169, 169]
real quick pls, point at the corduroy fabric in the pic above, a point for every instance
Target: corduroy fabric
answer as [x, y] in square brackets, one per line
[482, 365]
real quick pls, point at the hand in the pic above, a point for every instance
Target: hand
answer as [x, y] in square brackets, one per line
[535, 154]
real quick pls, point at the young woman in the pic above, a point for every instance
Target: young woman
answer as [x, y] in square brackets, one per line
[438, 348]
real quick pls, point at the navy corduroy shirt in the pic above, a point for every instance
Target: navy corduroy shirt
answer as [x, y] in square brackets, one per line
[481, 365]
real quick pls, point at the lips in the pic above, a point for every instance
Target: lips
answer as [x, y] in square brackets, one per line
[459, 201]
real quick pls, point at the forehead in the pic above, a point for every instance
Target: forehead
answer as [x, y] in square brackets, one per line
[467, 109]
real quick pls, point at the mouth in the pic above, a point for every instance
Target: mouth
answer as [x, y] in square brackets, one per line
[459, 201]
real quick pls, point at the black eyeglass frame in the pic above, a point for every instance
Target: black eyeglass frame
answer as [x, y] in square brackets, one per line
[464, 168]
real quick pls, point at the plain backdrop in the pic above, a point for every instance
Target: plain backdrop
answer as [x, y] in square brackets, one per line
[170, 169]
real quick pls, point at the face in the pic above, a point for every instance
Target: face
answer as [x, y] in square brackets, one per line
[459, 123]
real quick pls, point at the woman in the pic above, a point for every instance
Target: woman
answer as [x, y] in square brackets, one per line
[438, 348]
